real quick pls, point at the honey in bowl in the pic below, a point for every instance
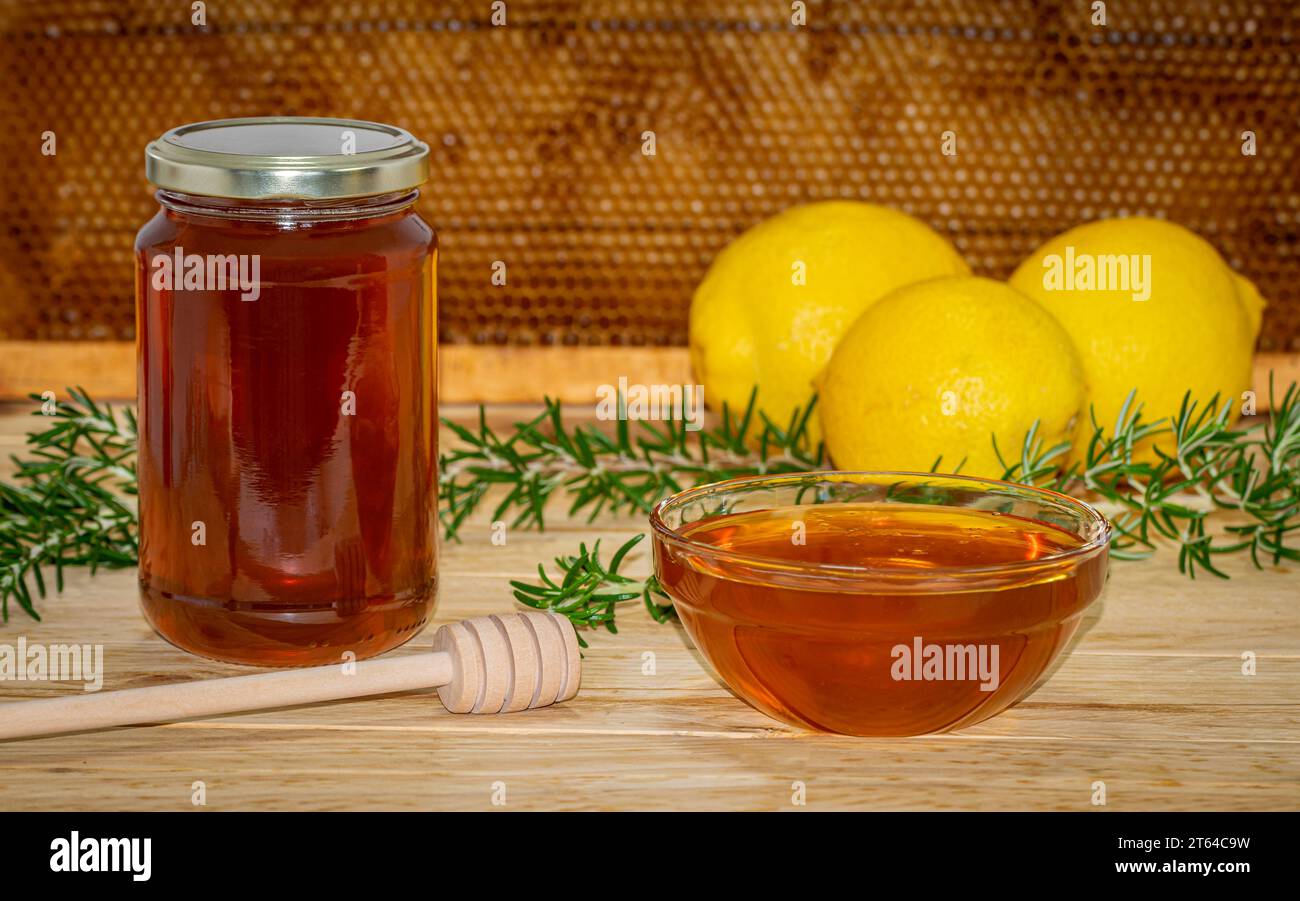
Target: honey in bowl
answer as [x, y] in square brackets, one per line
[879, 603]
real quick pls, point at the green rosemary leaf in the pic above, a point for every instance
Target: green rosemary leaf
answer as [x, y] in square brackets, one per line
[67, 501]
[622, 552]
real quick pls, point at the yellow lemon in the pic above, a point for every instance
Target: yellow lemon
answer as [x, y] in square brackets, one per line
[776, 300]
[941, 367]
[1152, 307]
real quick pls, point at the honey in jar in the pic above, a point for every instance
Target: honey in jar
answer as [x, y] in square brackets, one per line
[286, 337]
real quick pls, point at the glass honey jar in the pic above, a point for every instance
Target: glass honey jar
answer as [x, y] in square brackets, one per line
[286, 350]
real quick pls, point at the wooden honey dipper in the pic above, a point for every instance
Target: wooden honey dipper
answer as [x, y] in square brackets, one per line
[489, 664]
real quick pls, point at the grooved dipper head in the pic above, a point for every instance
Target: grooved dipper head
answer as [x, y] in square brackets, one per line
[505, 663]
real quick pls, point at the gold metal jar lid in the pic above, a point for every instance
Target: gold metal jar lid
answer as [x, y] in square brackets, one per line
[287, 157]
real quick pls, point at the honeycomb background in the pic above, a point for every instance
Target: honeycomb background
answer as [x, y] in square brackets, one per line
[535, 129]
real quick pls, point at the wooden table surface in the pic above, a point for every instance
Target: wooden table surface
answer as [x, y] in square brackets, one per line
[1152, 702]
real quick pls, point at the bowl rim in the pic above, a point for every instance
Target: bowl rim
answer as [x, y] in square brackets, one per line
[793, 569]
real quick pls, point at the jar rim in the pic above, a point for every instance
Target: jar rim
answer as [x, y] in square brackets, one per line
[281, 211]
[287, 157]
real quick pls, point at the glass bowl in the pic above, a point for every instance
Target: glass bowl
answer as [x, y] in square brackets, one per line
[879, 603]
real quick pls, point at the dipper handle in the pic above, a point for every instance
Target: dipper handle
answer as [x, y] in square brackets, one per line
[490, 664]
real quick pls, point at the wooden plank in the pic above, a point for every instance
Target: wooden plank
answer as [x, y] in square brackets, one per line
[467, 373]
[1168, 721]
[429, 768]
[105, 368]
[1151, 700]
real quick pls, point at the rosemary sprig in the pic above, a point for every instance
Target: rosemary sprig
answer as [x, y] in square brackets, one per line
[1202, 465]
[626, 471]
[590, 589]
[69, 503]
